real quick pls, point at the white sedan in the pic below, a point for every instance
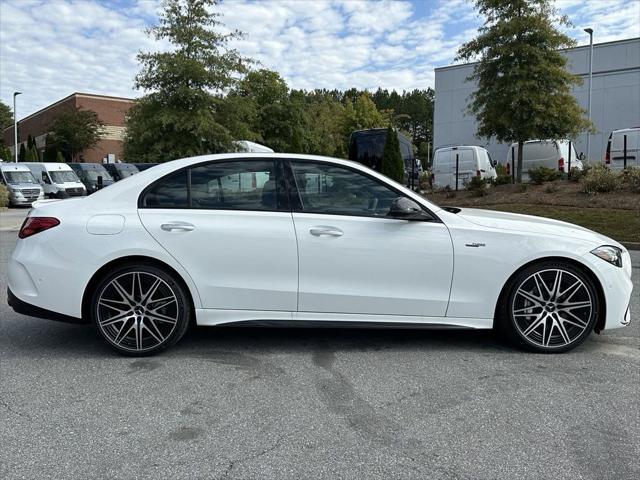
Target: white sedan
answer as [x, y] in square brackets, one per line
[237, 238]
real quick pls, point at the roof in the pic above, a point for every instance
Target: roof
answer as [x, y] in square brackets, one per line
[580, 47]
[75, 94]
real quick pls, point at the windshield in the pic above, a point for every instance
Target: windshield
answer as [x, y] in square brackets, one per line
[127, 172]
[92, 175]
[19, 177]
[63, 176]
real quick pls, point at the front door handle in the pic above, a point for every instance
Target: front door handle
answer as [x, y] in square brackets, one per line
[322, 230]
[177, 226]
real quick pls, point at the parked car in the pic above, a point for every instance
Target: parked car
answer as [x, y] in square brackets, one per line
[142, 258]
[93, 175]
[544, 153]
[22, 186]
[143, 166]
[118, 171]
[472, 162]
[57, 180]
[614, 155]
[367, 146]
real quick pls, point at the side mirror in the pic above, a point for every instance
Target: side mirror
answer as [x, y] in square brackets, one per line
[99, 181]
[494, 163]
[406, 209]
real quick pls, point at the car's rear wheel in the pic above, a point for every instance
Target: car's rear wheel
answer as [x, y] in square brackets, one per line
[140, 310]
[551, 307]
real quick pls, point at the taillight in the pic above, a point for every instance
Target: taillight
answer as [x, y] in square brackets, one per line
[508, 168]
[607, 156]
[561, 164]
[477, 173]
[33, 225]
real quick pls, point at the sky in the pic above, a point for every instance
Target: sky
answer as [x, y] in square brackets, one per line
[52, 48]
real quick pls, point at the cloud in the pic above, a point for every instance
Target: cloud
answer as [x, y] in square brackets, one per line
[49, 49]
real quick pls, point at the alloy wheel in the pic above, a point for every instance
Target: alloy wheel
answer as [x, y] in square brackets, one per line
[552, 308]
[137, 311]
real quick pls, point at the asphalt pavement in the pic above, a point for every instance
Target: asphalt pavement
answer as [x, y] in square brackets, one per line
[254, 403]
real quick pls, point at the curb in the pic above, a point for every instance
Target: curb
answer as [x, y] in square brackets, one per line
[631, 245]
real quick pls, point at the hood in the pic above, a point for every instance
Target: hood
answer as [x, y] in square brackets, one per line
[24, 186]
[535, 225]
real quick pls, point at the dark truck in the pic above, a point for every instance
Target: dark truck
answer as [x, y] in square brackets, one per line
[366, 147]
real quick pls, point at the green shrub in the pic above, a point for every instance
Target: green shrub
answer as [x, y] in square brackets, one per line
[449, 192]
[600, 179]
[539, 175]
[631, 179]
[477, 186]
[4, 196]
[575, 174]
[502, 178]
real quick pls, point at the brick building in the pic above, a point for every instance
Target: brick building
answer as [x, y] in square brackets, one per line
[111, 110]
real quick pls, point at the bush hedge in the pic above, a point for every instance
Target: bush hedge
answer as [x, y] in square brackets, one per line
[600, 179]
[539, 175]
[4, 196]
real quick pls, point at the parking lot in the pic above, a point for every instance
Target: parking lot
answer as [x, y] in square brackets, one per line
[314, 403]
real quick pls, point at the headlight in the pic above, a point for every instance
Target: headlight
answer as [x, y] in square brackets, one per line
[609, 254]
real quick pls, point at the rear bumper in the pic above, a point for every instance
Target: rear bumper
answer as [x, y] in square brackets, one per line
[24, 308]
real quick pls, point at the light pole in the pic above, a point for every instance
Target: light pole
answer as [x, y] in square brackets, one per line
[15, 126]
[590, 32]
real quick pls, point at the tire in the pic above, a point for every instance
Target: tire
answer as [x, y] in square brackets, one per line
[550, 307]
[140, 310]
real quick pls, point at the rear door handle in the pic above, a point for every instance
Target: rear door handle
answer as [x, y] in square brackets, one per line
[322, 230]
[177, 226]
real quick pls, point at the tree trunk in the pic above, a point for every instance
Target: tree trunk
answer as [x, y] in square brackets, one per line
[519, 163]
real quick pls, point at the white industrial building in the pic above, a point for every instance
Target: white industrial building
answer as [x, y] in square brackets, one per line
[615, 99]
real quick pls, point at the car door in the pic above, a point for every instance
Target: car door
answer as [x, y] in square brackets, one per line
[353, 258]
[229, 225]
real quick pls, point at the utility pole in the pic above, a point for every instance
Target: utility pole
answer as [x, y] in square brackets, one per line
[15, 126]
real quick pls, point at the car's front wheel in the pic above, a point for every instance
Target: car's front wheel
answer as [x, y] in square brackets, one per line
[551, 307]
[140, 310]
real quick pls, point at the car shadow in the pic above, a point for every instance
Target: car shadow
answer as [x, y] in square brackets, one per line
[51, 339]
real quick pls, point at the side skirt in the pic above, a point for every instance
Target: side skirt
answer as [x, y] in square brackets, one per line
[213, 317]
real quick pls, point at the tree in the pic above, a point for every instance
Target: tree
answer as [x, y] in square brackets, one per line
[22, 153]
[178, 117]
[6, 117]
[74, 131]
[59, 157]
[523, 88]
[50, 151]
[5, 153]
[32, 154]
[392, 165]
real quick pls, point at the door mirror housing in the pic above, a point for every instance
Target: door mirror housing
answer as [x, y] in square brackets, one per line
[99, 181]
[406, 209]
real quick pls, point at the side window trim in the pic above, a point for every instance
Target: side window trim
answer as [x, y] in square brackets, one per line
[298, 207]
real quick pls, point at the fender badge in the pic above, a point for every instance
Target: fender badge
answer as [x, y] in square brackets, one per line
[474, 244]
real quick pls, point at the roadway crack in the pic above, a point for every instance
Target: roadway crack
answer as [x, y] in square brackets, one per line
[249, 458]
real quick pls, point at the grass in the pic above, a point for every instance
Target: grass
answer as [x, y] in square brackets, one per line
[615, 214]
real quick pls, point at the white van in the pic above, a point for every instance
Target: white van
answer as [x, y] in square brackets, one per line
[544, 153]
[57, 179]
[614, 156]
[23, 187]
[472, 162]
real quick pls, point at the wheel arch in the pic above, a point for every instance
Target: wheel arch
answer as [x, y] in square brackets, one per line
[131, 260]
[602, 313]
